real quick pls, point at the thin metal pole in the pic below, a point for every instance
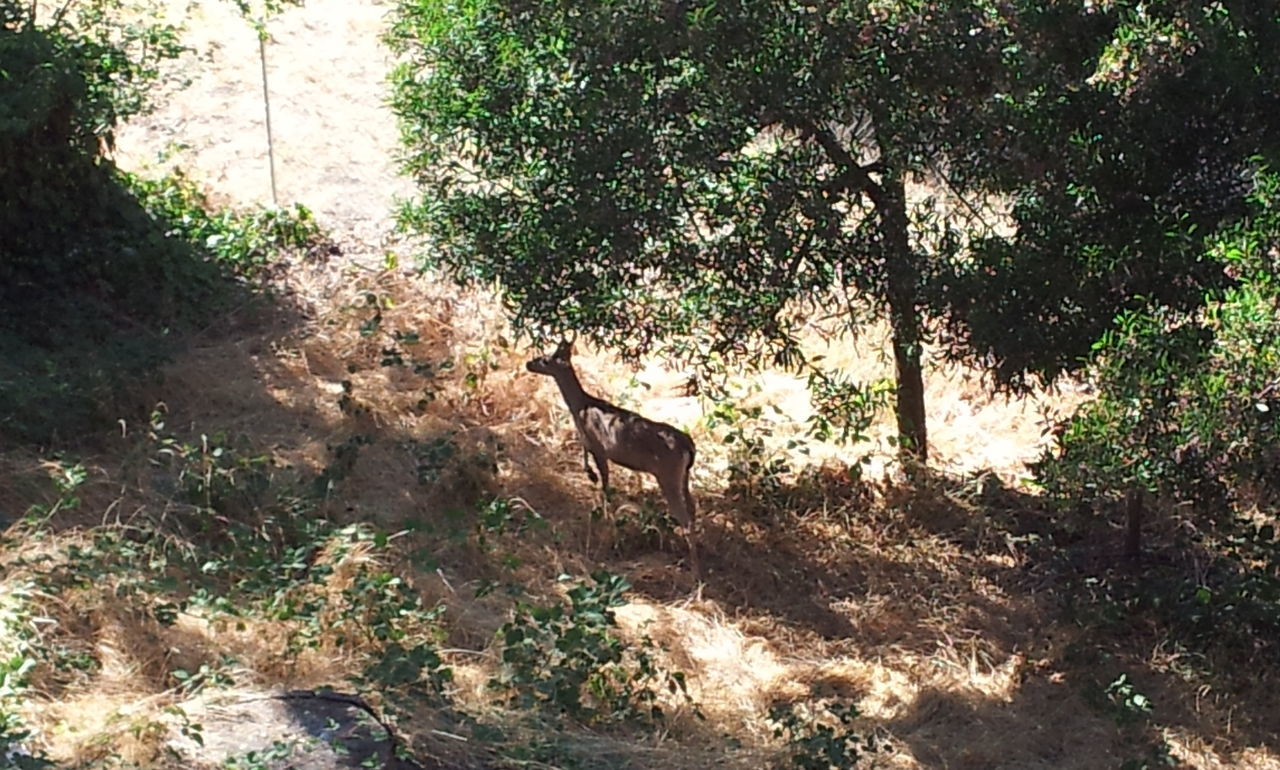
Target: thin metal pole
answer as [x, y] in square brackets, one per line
[266, 104]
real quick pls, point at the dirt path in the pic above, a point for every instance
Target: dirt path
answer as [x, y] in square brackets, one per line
[335, 139]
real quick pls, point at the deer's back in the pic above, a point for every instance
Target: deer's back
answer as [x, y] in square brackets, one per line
[631, 440]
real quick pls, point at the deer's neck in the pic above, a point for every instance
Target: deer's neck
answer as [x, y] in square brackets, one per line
[574, 396]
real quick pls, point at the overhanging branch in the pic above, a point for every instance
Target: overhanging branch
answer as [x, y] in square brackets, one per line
[852, 176]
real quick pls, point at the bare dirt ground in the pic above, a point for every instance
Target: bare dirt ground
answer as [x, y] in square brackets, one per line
[334, 139]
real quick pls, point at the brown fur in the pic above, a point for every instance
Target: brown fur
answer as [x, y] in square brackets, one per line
[611, 433]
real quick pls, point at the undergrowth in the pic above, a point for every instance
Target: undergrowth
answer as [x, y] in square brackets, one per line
[241, 543]
[17, 659]
[818, 739]
[68, 352]
[570, 659]
[101, 271]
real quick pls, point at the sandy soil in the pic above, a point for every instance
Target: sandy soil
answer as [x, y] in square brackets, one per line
[334, 138]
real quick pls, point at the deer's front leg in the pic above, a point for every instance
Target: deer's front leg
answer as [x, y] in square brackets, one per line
[586, 464]
[602, 463]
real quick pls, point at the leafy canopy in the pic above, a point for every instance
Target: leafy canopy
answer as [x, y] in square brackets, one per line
[1189, 402]
[639, 170]
[1130, 138]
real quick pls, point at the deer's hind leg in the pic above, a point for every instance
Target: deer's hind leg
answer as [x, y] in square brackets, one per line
[602, 463]
[675, 488]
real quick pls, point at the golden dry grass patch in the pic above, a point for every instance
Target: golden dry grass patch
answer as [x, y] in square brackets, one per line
[730, 673]
[900, 598]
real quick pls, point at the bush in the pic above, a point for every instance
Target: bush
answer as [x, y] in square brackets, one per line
[1188, 410]
[69, 78]
[814, 743]
[17, 658]
[99, 268]
[170, 263]
[1189, 403]
[569, 659]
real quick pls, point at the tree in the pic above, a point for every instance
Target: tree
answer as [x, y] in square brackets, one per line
[1188, 416]
[1149, 125]
[642, 170]
[647, 170]
[1139, 131]
[1189, 401]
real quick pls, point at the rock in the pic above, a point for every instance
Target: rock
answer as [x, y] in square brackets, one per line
[286, 730]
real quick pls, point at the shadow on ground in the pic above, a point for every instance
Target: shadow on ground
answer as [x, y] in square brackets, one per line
[381, 395]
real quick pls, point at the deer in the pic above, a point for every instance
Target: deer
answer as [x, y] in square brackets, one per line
[609, 433]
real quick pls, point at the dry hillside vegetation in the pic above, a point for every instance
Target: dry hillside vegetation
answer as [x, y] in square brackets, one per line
[918, 603]
[925, 604]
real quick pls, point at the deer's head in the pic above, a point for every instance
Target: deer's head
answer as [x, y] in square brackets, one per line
[559, 361]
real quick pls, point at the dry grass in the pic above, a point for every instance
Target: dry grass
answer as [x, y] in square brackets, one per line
[915, 602]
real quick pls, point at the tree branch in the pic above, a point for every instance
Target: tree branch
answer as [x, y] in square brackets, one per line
[853, 177]
[972, 210]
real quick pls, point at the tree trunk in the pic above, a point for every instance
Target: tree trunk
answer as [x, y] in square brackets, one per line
[904, 318]
[902, 278]
[1133, 517]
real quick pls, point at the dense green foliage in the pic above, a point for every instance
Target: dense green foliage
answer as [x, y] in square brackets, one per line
[649, 173]
[1133, 133]
[66, 348]
[70, 231]
[1188, 410]
[98, 268]
[571, 659]
[1189, 402]
[635, 173]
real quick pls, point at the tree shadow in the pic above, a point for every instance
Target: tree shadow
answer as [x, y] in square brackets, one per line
[1043, 725]
[93, 300]
[974, 575]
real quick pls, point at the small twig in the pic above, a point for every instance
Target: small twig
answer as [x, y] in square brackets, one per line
[57, 17]
[445, 580]
[266, 108]
[450, 735]
[947, 182]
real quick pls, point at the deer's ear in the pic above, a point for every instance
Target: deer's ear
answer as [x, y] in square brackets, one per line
[564, 351]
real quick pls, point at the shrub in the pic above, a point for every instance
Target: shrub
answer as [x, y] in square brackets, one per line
[570, 660]
[99, 268]
[814, 743]
[17, 658]
[1189, 403]
[1188, 410]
